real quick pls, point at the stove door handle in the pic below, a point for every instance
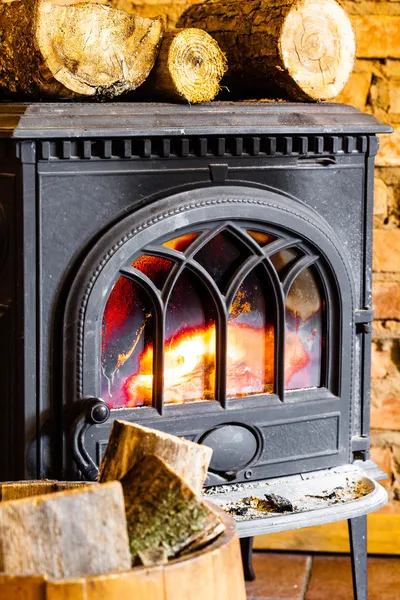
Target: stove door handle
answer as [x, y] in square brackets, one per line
[94, 412]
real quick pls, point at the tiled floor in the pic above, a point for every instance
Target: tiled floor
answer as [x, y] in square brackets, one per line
[283, 576]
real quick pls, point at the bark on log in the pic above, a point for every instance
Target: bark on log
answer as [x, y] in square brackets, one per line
[169, 10]
[67, 534]
[289, 49]
[55, 48]
[189, 68]
[153, 557]
[130, 443]
[162, 511]
[15, 490]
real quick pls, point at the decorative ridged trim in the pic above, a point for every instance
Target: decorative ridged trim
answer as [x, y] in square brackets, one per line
[160, 217]
[203, 147]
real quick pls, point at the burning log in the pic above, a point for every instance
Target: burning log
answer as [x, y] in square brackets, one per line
[129, 443]
[68, 534]
[164, 512]
[189, 68]
[290, 49]
[55, 48]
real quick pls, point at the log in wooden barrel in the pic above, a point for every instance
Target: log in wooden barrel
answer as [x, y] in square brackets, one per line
[214, 573]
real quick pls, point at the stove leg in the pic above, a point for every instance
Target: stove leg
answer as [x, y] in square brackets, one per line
[358, 549]
[246, 546]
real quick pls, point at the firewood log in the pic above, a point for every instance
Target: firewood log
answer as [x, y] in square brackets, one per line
[67, 534]
[15, 490]
[189, 68]
[170, 10]
[289, 49]
[129, 443]
[52, 48]
[162, 511]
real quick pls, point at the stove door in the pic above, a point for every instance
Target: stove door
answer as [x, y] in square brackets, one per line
[223, 315]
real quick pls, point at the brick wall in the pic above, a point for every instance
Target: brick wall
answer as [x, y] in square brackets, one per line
[373, 87]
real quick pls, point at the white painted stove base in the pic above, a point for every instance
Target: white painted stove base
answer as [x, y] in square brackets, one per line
[300, 486]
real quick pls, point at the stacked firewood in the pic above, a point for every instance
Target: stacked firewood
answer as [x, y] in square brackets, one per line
[289, 49]
[146, 510]
[63, 49]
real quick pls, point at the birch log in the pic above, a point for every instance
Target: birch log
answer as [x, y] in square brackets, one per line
[289, 49]
[162, 511]
[189, 68]
[61, 49]
[129, 443]
[67, 534]
[15, 490]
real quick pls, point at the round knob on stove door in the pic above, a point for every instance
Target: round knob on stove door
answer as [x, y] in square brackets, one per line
[100, 411]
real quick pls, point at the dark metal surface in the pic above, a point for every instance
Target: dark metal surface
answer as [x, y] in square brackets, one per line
[246, 547]
[70, 120]
[94, 412]
[296, 432]
[76, 179]
[358, 551]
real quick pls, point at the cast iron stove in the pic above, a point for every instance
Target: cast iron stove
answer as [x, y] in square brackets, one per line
[201, 270]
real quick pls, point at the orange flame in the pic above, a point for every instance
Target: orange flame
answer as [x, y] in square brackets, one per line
[189, 366]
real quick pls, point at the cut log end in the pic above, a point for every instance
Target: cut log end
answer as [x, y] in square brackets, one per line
[195, 64]
[297, 50]
[95, 50]
[129, 443]
[317, 46]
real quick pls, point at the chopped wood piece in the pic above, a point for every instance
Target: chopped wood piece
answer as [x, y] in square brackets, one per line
[67, 534]
[189, 68]
[55, 48]
[14, 490]
[290, 49]
[154, 556]
[129, 443]
[163, 511]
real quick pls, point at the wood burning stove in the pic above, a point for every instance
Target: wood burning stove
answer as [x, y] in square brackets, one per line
[202, 270]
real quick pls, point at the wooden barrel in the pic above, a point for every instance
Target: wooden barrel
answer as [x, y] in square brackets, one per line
[212, 573]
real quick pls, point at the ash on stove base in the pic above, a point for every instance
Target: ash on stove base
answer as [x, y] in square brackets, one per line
[318, 498]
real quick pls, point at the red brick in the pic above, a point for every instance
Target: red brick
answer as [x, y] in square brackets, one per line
[384, 459]
[279, 576]
[377, 36]
[386, 256]
[380, 359]
[385, 409]
[386, 299]
[389, 151]
[331, 579]
[356, 90]
[384, 330]
[380, 197]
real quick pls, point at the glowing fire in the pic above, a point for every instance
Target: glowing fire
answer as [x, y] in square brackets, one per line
[189, 366]
[190, 354]
[189, 370]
